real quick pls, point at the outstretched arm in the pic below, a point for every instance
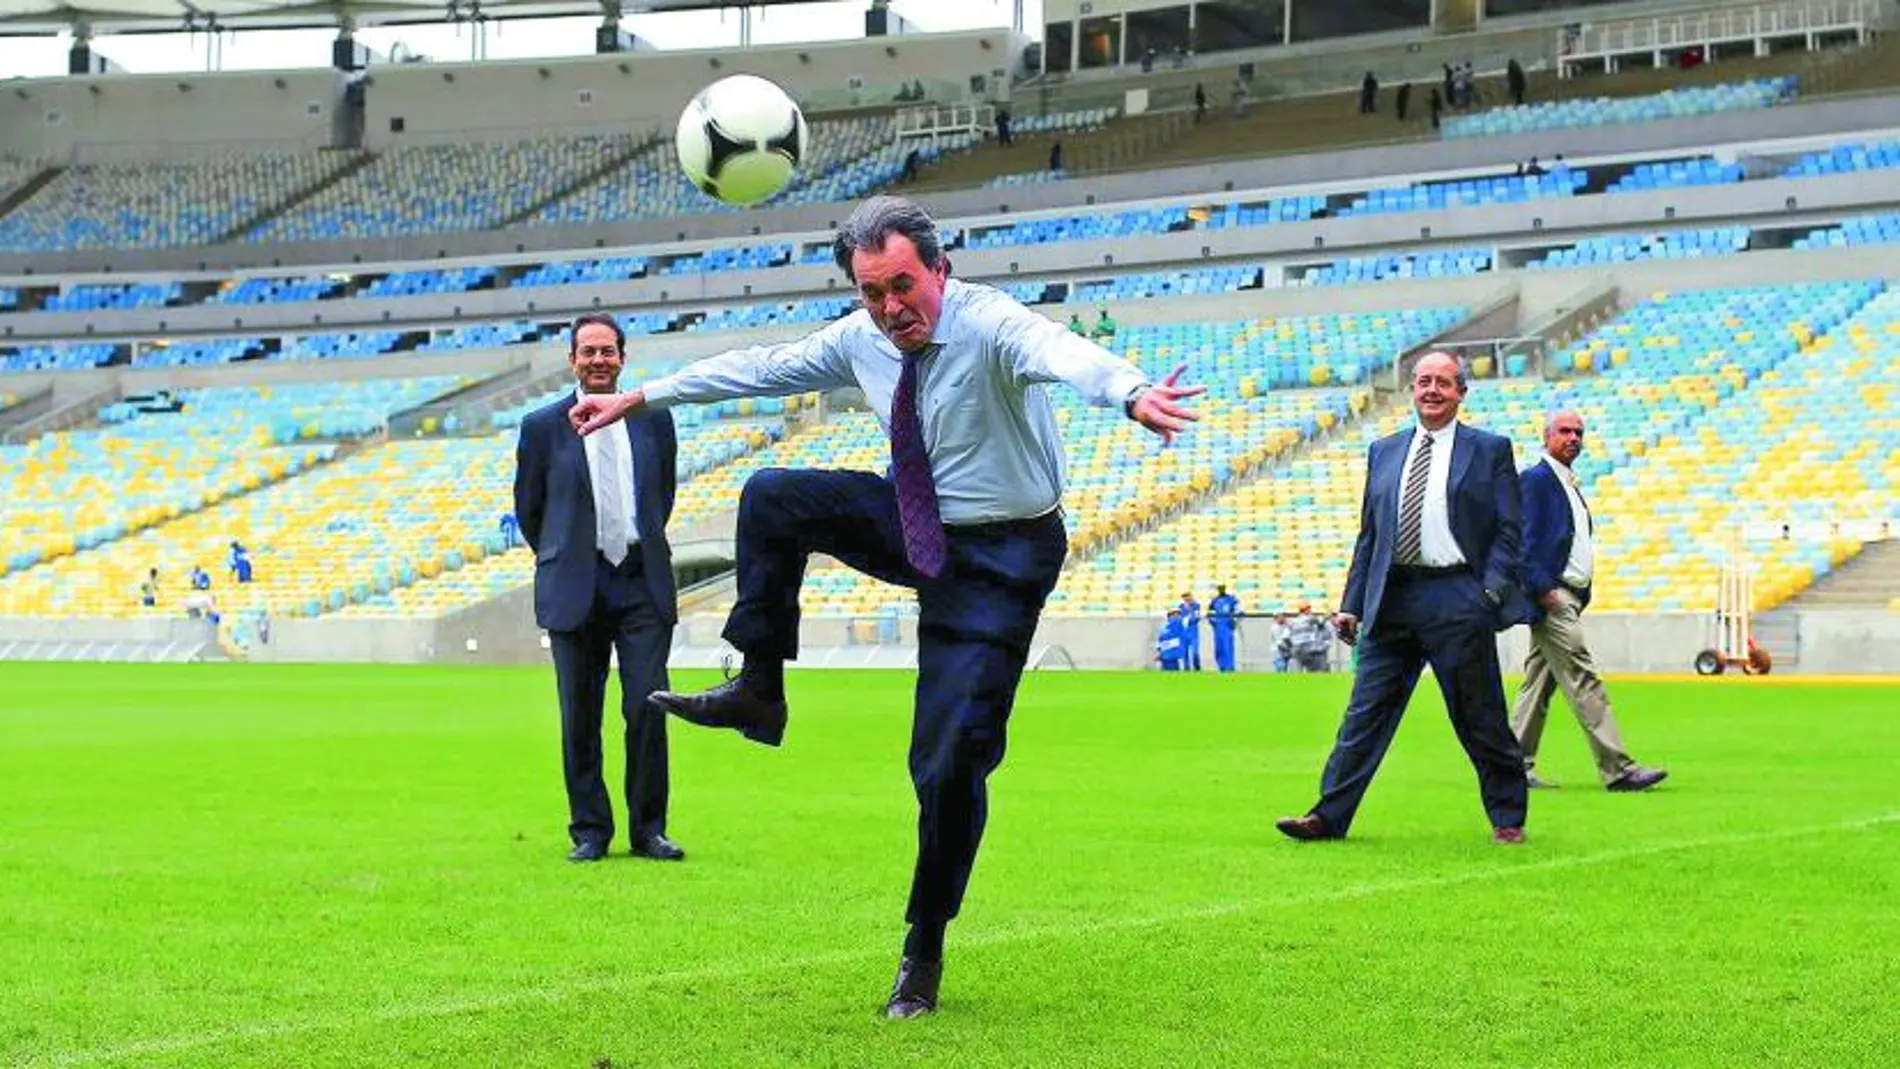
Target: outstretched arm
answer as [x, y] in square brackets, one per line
[1037, 349]
[816, 361]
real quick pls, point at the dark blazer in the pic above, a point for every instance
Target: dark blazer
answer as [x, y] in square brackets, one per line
[554, 500]
[1484, 522]
[1549, 531]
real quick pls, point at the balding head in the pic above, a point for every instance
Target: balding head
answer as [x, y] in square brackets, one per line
[1563, 436]
[1438, 388]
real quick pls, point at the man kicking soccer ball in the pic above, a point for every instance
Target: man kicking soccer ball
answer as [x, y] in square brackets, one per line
[970, 517]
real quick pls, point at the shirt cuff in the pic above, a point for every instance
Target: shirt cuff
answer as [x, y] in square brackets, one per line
[661, 393]
[1123, 383]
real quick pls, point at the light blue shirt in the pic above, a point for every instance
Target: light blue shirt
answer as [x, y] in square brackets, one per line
[995, 450]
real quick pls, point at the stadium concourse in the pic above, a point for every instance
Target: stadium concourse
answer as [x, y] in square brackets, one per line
[349, 420]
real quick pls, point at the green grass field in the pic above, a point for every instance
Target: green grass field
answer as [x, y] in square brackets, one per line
[329, 866]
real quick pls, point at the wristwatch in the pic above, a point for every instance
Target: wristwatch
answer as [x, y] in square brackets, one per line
[1128, 403]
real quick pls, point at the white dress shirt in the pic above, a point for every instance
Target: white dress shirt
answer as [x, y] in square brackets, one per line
[995, 450]
[1582, 563]
[1436, 547]
[610, 469]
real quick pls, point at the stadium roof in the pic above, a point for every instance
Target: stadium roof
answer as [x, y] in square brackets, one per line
[117, 16]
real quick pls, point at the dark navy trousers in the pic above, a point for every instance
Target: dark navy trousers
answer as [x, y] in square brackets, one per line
[1446, 622]
[622, 620]
[974, 628]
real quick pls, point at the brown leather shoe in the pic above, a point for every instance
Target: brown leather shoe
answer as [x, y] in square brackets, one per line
[914, 994]
[1306, 829]
[731, 704]
[1508, 836]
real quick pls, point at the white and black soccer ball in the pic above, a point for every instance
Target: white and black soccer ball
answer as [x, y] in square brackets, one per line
[741, 139]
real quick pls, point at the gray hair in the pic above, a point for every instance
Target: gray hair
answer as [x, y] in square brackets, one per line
[1555, 414]
[1458, 365]
[873, 223]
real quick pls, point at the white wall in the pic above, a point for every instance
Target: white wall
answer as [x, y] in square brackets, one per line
[149, 116]
[637, 93]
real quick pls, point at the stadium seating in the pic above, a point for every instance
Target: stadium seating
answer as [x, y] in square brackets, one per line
[565, 272]
[1664, 366]
[1469, 193]
[1027, 178]
[160, 204]
[93, 298]
[1673, 174]
[274, 290]
[445, 188]
[1607, 111]
[651, 185]
[1864, 230]
[57, 358]
[1850, 158]
[1813, 438]
[1668, 245]
[1441, 264]
[154, 461]
[183, 354]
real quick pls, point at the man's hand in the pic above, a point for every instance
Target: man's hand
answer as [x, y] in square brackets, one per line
[596, 410]
[1157, 410]
[1346, 626]
[1552, 600]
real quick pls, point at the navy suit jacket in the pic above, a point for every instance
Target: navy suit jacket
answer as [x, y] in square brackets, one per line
[554, 500]
[1549, 530]
[1484, 522]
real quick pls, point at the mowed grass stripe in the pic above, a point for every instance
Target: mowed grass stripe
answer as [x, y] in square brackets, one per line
[209, 856]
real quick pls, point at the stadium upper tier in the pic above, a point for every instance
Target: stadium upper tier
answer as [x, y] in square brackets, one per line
[1604, 111]
[1223, 211]
[1675, 376]
[345, 194]
[1114, 289]
[160, 205]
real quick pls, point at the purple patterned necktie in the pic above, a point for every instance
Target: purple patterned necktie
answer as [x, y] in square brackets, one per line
[924, 544]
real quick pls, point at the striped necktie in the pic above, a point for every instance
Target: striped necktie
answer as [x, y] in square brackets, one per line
[1412, 509]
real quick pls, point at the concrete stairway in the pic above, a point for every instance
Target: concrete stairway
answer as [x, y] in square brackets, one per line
[1868, 581]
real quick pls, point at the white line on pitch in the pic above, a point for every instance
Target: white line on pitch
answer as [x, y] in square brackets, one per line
[450, 1007]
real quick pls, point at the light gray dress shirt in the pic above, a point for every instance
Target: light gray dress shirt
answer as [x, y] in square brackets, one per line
[995, 450]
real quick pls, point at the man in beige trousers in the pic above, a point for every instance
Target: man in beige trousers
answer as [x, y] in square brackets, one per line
[1559, 561]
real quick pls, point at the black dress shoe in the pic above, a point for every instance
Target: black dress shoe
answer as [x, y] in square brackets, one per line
[915, 992]
[731, 704]
[587, 851]
[1306, 829]
[1637, 779]
[659, 848]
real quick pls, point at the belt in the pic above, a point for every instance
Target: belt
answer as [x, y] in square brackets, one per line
[1580, 591]
[1421, 571]
[1005, 526]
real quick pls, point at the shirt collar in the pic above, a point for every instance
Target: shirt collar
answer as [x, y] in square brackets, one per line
[1559, 466]
[1441, 435]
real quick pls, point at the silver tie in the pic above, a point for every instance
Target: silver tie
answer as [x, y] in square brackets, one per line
[610, 488]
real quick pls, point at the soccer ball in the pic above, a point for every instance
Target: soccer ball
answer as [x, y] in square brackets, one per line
[740, 139]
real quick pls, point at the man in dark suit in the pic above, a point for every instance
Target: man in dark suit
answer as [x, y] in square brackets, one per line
[1559, 562]
[970, 517]
[595, 514]
[1434, 577]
